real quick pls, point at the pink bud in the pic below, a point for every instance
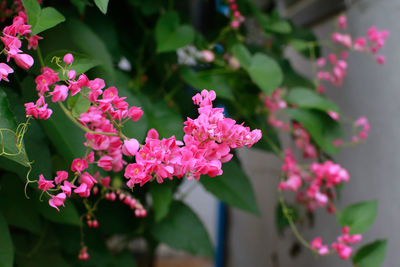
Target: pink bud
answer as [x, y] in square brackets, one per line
[235, 24]
[68, 58]
[130, 147]
[208, 55]
[135, 113]
[380, 59]
[95, 224]
[24, 61]
[71, 74]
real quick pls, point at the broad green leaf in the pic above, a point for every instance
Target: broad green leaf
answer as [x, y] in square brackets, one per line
[36, 144]
[165, 120]
[6, 245]
[307, 98]
[208, 80]
[359, 217]
[161, 195]
[371, 255]
[233, 187]
[81, 64]
[78, 104]
[49, 17]
[90, 44]
[273, 25]
[65, 135]
[305, 42]
[170, 35]
[32, 9]
[102, 5]
[66, 215]
[292, 78]
[322, 128]
[242, 54]
[182, 229]
[21, 213]
[8, 126]
[270, 140]
[265, 72]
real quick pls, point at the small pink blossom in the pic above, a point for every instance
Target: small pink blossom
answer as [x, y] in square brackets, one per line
[4, 71]
[68, 58]
[44, 184]
[60, 93]
[208, 55]
[130, 147]
[78, 165]
[61, 176]
[57, 200]
[135, 113]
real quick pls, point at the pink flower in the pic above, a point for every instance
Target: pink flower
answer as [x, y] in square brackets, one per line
[342, 21]
[33, 42]
[44, 184]
[334, 115]
[57, 200]
[380, 59]
[61, 176]
[78, 165]
[130, 147]
[71, 74]
[105, 162]
[4, 71]
[135, 113]
[67, 188]
[321, 62]
[60, 93]
[235, 24]
[68, 58]
[24, 61]
[208, 55]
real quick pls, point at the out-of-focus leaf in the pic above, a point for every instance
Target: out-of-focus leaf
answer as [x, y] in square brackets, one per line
[161, 195]
[66, 215]
[209, 81]
[102, 5]
[182, 229]
[359, 217]
[281, 221]
[265, 72]
[304, 41]
[242, 54]
[32, 9]
[21, 213]
[170, 35]
[322, 128]
[306, 98]
[233, 187]
[270, 140]
[371, 255]
[292, 78]
[6, 244]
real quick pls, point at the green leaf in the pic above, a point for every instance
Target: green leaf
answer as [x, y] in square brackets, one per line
[65, 135]
[8, 139]
[165, 120]
[170, 35]
[270, 141]
[78, 104]
[265, 72]
[66, 215]
[161, 195]
[371, 255]
[307, 98]
[292, 78]
[90, 44]
[182, 229]
[6, 245]
[242, 54]
[359, 217]
[49, 17]
[81, 64]
[232, 187]
[32, 9]
[102, 5]
[208, 80]
[322, 128]
[21, 213]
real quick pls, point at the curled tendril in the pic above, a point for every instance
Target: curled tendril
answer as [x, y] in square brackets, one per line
[19, 134]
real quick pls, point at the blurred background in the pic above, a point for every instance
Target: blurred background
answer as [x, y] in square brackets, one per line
[374, 167]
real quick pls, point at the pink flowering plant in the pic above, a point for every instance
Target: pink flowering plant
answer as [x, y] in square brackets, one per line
[114, 105]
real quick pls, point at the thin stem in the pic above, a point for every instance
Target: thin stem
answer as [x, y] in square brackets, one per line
[40, 56]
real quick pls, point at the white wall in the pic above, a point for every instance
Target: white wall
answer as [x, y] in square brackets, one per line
[370, 90]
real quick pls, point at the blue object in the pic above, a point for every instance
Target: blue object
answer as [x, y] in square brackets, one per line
[221, 8]
[221, 235]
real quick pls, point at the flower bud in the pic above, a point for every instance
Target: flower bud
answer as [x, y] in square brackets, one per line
[68, 58]
[24, 61]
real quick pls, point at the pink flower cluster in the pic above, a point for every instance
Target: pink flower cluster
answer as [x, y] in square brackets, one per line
[364, 126]
[336, 72]
[11, 39]
[303, 141]
[207, 143]
[341, 247]
[237, 16]
[274, 104]
[320, 180]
